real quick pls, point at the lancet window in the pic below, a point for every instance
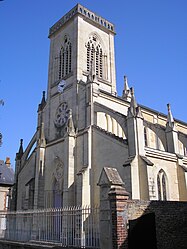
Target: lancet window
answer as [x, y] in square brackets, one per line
[162, 185]
[65, 58]
[95, 56]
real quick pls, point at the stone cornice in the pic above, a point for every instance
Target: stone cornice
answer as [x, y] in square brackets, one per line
[160, 154]
[91, 16]
[184, 160]
[98, 107]
[113, 98]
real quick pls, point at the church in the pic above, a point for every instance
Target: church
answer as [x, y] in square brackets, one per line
[83, 125]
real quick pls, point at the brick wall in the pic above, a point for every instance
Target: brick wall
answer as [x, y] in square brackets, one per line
[118, 199]
[147, 224]
[170, 221]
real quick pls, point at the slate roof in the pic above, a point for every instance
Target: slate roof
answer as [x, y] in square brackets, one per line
[6, 174]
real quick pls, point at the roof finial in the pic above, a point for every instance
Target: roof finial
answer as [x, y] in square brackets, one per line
[21, 146]
[133, 104]
[43, 102]
[126, 91]
[70, 125]
[170, 120]
[42, 141]
[43, 99]
[134, 110]
[20, 152]
[126, 87]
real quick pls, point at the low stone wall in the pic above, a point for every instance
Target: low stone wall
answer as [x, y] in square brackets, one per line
[19, 245]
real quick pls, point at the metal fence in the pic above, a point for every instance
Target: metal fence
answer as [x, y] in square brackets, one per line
[71, 226]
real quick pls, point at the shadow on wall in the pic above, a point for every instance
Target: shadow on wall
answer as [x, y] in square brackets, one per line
[142, 232]
[161, 225]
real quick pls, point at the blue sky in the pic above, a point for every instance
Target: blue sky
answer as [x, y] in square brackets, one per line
[150, 45]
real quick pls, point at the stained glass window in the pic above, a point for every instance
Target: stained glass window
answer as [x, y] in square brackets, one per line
[162, 185]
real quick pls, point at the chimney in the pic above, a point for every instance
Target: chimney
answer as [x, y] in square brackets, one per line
[7, 162]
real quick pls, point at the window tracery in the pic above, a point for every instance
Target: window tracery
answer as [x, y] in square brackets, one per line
[95, 56]
[65, 55]
[161, 184]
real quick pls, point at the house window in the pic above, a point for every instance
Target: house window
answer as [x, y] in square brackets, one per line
[65, 55]
[161, 184]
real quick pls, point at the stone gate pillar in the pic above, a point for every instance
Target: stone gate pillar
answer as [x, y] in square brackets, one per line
[118, 197]
[113, 198]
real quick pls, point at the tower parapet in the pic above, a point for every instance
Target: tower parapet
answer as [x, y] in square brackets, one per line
[93, 17]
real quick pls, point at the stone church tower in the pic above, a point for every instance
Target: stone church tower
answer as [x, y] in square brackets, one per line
[84, 126]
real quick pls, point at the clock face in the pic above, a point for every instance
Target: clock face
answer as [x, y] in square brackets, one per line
[61, 115]
[61, 86]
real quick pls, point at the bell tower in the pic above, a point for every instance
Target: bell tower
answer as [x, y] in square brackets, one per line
[81, 44]
[79, 41]
[81, 65]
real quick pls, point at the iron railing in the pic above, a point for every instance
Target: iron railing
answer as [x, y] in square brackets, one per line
[70, 226]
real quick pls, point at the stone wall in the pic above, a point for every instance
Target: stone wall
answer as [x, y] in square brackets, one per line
[170, 222]
[147, 224]
[19, 245]
[137, 223]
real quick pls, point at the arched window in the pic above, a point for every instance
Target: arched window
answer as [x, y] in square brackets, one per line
[162, 185]
[95, 56]
[101, 63]
[69, 61]
[88, 57]
[65, 58]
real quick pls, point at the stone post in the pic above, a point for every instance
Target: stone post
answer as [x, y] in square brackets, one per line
[113, 197]
[105, 223]
[118, 197]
